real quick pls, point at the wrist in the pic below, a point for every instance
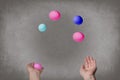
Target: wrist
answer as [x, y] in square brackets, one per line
[90, 77]
[34, 76]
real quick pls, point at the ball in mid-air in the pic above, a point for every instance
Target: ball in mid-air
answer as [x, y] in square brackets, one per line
[54, 15]
[78, 20]
[78, 36]
[42, 27]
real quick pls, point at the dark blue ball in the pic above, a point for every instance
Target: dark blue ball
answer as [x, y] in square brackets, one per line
[78, 20]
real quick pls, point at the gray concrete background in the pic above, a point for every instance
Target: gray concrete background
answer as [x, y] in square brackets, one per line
[21, 42]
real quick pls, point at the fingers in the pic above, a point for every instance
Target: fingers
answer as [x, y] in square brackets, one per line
[41, 70]
[86, 62]
[92, 61]
[30, 65]
[89, 61]
[30, 68]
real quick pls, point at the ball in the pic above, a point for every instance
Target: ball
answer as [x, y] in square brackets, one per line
[78, 20]
[78, 36]
[54, 15]
[38, 66]
[42, 27]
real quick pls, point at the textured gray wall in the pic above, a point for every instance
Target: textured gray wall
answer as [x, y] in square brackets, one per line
[21, 42]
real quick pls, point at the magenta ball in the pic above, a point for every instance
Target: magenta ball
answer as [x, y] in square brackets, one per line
[37, 66]
[54, 15]
[78, 36]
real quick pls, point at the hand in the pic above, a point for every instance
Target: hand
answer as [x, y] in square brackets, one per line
[88, 69]
[34, 74]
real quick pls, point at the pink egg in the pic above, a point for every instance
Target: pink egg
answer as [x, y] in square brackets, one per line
[78, 36]
[37, 66]
[54, 15]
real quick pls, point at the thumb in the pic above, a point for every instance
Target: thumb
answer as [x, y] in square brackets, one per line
[82, 67]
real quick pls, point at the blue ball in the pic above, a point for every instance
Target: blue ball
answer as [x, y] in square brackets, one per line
[78, 20]
[42, 27]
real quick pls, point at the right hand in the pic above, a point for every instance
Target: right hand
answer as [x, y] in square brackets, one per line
[88, 68]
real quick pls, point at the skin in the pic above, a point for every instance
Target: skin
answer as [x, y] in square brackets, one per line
[34, 74]
[88, 69]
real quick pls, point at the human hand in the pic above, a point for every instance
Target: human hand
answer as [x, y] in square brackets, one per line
[34, 74]
[88, 69]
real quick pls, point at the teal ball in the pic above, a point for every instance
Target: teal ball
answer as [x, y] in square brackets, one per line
[42, 27]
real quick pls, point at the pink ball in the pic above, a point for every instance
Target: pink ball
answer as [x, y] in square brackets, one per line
[37, 66]
[78, 36]
[54, 15]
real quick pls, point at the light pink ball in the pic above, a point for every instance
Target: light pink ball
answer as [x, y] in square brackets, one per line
[54, 15]
[78, 36]
[37, 66]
